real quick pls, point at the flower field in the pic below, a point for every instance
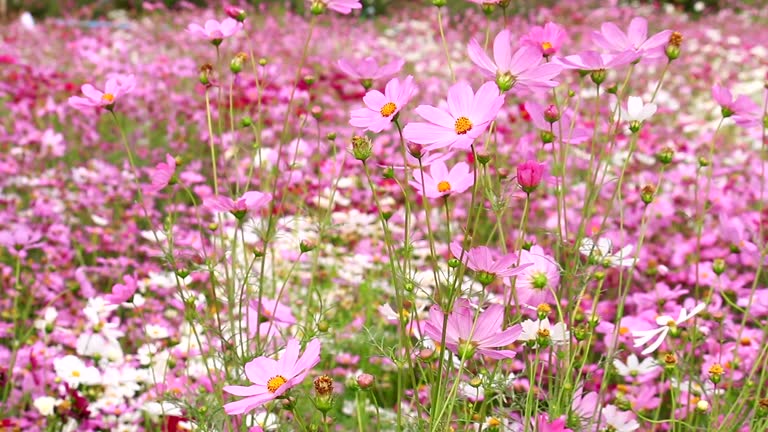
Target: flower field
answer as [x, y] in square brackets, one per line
[488, 216]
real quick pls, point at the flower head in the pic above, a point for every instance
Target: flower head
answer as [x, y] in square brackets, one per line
[483, 261]
[466, 336]
[637, 111]
[467, 118]
[272, 378]
[368, 70]
[267, 317]
[634, 367]
[382, 108]
[601, 253]
[547, 39]
[665, 323]
[162, 174]
[519, 71]
[121, 293]
[114, 88]
[636, 40]
[441, 182]
[541, 331]
[534, 284]
[250, 201]
[619, 421]
[215, 31]
[742, 109]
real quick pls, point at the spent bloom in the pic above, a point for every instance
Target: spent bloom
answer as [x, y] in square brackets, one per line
[441, 182]
[520, 71]
[250, 201]
[381, 109]
[272, 378]
[215, 31]
[548, 39]
[665, 323]
[742, 109]
[115, 87]
[466, 336]
[636, 40]
[483, 260]
[468, 116]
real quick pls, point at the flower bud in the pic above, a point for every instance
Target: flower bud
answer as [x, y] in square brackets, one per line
[415, 150]
[317, 8]
[263, 61]
[718, 266]
[362, 148]
[453, 262]
[365, 381]
[317, 112]
[331, 136]
[439, 3]
[551, 114]
[546, 137]
[647, 193]
[483, 157]
[529, 175]
[309, 79]
[306, 245]
[246, 122]
[323, 326]
[206, 71]
[665, 155]
[703, 162]
[236, 65]
[235, 13]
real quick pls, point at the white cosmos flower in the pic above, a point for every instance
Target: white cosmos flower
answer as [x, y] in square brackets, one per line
[636, 111]
[156, 331]
[600, 252]
[74, 372]
[665, 323]
[45, 405]
[533, 329]
[634, 366]
[620, 421]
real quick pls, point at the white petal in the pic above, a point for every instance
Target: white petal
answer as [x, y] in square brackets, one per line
[634, 107]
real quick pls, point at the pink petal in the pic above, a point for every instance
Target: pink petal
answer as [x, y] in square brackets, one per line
[502, 50]
[460, 98]
[436, 116]
[480, 58]
[91, 93]
[637, 31]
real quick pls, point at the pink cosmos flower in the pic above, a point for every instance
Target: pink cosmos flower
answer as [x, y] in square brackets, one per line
[742, 109]
[215, 31]
[368, 70]
[19, 239]
[250, 201]
[274, 315]
[547, 39]
[115, 87]
[341, 6]
[441, 182]
[162, 174]
[550, 132]
[615, 41]
[122, 292]
[481, 260]
[468, 116]
[521, 71]
[467, 336]
[544, 424]
[594, 61]
[382, 109]
[534, 284]
[272, 378]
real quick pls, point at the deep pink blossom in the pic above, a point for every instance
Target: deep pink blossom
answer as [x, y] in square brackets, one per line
[529, 175]
[467, 118]
[548, 39]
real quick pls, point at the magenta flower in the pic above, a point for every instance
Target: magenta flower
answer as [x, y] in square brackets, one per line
[468, 116]
[594, 61]
[548, 39]
[121, 293]
[520, 71]
[341, 6]
[368, 70]
[466, 336]
[481, 259]
[636, 40]
[529, 175]
[250, 201]
[114, 88]
[162, 174]
[549, 132]
[382, 108]
[215, 31]
[272, 378]
[441, 182]
[274, 315]
[742, 109]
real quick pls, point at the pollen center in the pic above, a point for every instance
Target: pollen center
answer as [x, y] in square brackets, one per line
[443, 186]
[75, 373]
[463, 125]
[275, 383]
[546, 45]
[108, 97]
[388, 109]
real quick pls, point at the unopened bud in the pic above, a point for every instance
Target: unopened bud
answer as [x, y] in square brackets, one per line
[546, 136]
[235, 13]
[246, 122]
[316, 111]
[263, 61]
[309, 79]
[365, 381]
[665, 155]
[323, 326]
[307, 245]
[551, 114]
[453, 263]
[439, 3]
[415, 150]
[317, 8]
[331, 136]
[718, 266]
[483, 157]
[703, 162]
[362, 148]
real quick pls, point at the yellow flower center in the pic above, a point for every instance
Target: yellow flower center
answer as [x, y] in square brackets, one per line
[463, 125]
[544, 333]
[493, 422]
[388, 109]
[546, 45]
[108, 97]
[75, 373]
[443, 186]
[671, 323]
[623, 331]
[275, 383]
